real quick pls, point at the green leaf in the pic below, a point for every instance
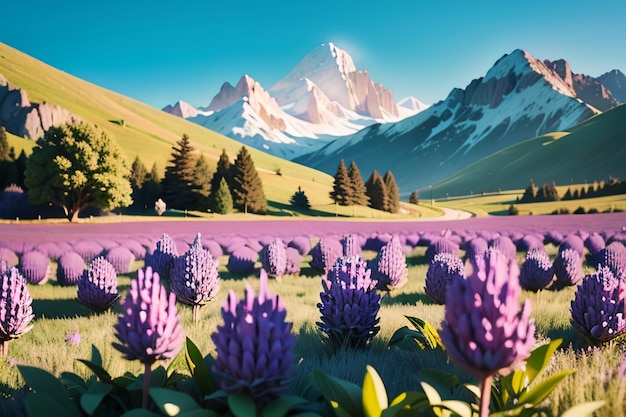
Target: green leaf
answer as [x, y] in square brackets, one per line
[92, 398]
[401, 334]
[98, 371]
[540, 391]
[538, 361]
[584, 409]
[49, 393]
[430, 334]
[460, 408]
[241, 405]
[431, 393]
[197, 367]
[440, 379]
[374, 394]
[173, 403]
[404, 402]
[281, 406]
[45, 405]
[140, 412]
[346, 394]
[96, 357]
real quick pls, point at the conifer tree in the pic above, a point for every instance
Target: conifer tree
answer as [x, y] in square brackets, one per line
[223, 199]
[138, 174]
[202, 184]
[530, 194]
[224, 170]
[179, 176]
[414, 198]
[342, 189]
[393, 194]
[358, 196]
[299, 199]
[151, 189]
[5, 154]
[552, 194]
[377, 191]
[6, 162]
[248, 194]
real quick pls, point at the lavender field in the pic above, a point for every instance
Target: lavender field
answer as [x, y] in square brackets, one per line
[64, 330]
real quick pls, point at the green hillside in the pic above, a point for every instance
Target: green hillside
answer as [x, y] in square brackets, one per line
[145, 131]
[592, 150]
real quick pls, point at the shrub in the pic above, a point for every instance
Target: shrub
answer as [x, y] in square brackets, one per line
[121, 258]
[324, 254]
[70, 268]
[9, 257]
[537, 270]
[390, 266]
[568, 268]
[242, 260]
[97, 288]
[87, 249]
[441, 245]
[16, 312]
[35, 267]
[439, 274]
[294, 261]
[274, 258]
[301, 243]
[161, 259]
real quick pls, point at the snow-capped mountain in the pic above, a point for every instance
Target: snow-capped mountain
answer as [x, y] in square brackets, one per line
[520, 97]
[410, 106]
[615, 81]
[324, 97]
[184, 110]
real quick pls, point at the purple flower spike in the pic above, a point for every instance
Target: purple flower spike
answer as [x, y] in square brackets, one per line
[537, 271]
[161, 259]
[568, 268]
[70, 268]
[349, 304]
[351, 246]
[149, 328]
[441, 245]
[194, 278]
[391, 271]
[324, 254]
[97, 288]
[254, 346]
[274, 258]
[121, 258]
[294, 261]
[16, 312]
[485, 330]
[439, 274]
[35, 267]
[613, 256]
[598, 306]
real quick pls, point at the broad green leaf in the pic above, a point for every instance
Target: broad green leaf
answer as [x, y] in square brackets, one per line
[140, 412]
[404, 402]
[198, 368]
[344, 393]
[374, 394]
[440, 379]
[339, 411]
[92, 398]
[539, 360]
[96, 357]
[281, 406]
[47, 390]
[431, 393]
[461, 408]
[540, 391]
[584, 409]
[173, 403]
[401, 334]
[429, 332]
[46, 405]
[241, 405]
[98, 371]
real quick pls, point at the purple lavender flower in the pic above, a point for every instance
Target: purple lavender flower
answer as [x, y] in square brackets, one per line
[11, 259]
[194, 277]
[476, 247]
[390, 266]
[529, 242]
[594, 243]
[97, 288]
[241, 261]
[349, 304]
[324, 254]
[351, 246]
[505, 245]
[73, 338]
[485, 330]
[254, 346]
[161, 259]
[16, 312]
[70, 268]
[294, 261]
[553, 237]
[537, 271]
[439, 274]
[613, 256]
[301, 243]
[121, 258]
[213, 247]
[573, 242]
[87, 249]
[441, 245]
[274, 258]
[598, 306]
[149, 327]
[568, 268]
[35, 267]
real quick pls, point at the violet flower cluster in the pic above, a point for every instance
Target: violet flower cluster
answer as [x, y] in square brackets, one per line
[254, 346]
[35, 267]
[537, 271]
[485, 330]
[274, 258]
[390, 269]
[349, 304]
[149, 328]
[351, 246]
[16, 312]
[161, 259]
[568, 268]
[440, 271]
[597, 311]
[97, 288]
[324, 254]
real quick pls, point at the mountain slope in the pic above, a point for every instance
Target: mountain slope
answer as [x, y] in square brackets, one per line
[518, 98]
[145, 131]
[592, 150]
[615, 81]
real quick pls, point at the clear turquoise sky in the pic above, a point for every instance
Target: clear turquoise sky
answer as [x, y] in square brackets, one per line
[160, 52]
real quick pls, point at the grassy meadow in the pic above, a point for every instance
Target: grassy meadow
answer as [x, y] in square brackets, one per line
[599, 370]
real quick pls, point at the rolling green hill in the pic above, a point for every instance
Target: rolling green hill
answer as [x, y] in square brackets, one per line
[147, 131]
[592, 150]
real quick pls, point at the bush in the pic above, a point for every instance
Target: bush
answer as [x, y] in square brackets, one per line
[513, 210]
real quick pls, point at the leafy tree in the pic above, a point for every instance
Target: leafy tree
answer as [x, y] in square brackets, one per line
[223, 198]
[224, 170]
[202, 184]
[76, 165]
[530, 194]
[548, 193]
[299, 199]
[414, 198]
[358, 195]
[179, 176]
[342, 188]
[393, 194]
[248, 194]
[377, 191]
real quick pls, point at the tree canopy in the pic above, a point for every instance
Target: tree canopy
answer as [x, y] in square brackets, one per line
[358, 191]
[342, 187]
[248, 194]
[223, 199]
[77, 165]
[178, 182]
[393, 193]
[377, 191]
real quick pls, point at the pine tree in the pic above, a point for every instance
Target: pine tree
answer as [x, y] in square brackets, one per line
[138, 174]
[300, 200]
[179, 176]
[202, 184]
[377, 191]
[5, 154]
[151, 189]
[552, 194]
[393, 194]
[223, 198]
[530, 194]
[342, 190]
[248, 194]
[6, 162]
[224, 170]
[414, 198]
[358, 195]
[154, 174]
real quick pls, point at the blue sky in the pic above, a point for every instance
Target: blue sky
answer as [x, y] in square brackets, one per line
[160, 52]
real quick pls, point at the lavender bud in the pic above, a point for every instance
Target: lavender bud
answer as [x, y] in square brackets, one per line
[97, 288]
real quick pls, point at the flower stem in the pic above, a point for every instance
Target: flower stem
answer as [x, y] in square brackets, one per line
[485, 395]
[5, 348]
[146, 385]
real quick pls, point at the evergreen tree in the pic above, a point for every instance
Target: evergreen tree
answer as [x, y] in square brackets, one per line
[568, 194]
[202, 184]
[393, 194]
[154, 174]
[179, 176]
[377, 191]
[358, 195]
[6, 161]
[552, 193]
[151, 189]
[530, 194]
[5, 154]
[223, 198]
[300, 200]
[342, 189]
[224, 170]
[414, 198]
[138, 174]
[248, 194]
